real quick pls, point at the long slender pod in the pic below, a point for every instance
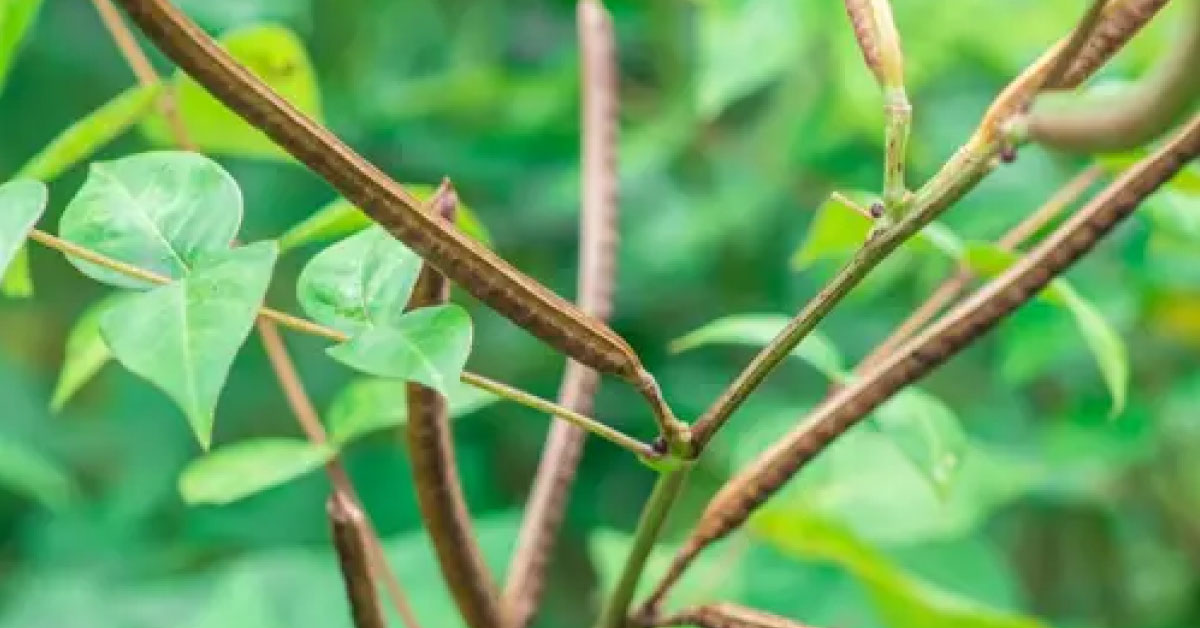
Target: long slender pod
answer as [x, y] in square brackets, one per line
[478, 270]
[598, 239]
[435, 471]
[727, 615]
[734, 503]
[1134, 115]
[346, 524]
[1122, 20]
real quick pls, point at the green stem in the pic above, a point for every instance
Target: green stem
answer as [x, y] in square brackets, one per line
[654, 515]
[643, 451]
[898, 121]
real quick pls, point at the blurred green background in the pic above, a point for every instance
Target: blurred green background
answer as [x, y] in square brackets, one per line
[738, 118]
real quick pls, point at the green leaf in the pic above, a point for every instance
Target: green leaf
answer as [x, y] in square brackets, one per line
[714, 574]
[17, 281]
[361, 281]
[157, 211]
[1102, 340]
[182, 337]
[902, 600]
[86, 352]
[87, 135]
[21, 204]
[243, 469]
[340, 218]
[273, 53]
[367, 405]
[31, 474]
[16, 17]
[1186, 180]
[927, 432]
[744, 45]
[758, 330]
[839, 230]
[428, 346]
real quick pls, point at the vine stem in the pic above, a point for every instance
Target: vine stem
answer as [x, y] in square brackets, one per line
[643, 450]
[654, 514]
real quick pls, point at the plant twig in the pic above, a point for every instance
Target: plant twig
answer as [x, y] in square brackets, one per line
[737, 500]
[958, 176]
[346, 522]
[1070, 50]
[431, 451]
[595, 284]
[308, 327]
[1134, 115]
[654, 515]
[945, 293]
[725, 615]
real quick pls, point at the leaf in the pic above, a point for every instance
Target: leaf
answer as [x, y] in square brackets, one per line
[157, 211]
[86, 353]
[744, 45]
[16, 17]
[839, 230]
[182, 337]
[31, 474]
[1186, 180]
[22, 202]
[927, 432]
[428, 346]
[273, 53]
[713, 575]
[339, 218]
[88, 134]
[902, 600]
[243, 469]
[758, 330]
[367, 405]
[17, 281]
[363, 280]
[1102, 340]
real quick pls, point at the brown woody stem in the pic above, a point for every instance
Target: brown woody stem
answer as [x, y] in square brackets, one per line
[346, 522]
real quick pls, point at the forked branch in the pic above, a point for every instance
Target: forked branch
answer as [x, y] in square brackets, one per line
[738, 499]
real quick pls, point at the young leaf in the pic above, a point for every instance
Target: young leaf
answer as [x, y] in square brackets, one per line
[243, 469]
[21, 204]
[901, 599]
[758, 330]
[16, 16]
[31, 474]
[1102, 340]
[927, 433]
[367, 405]
[86, 353]
[428, 346]
[273, 53]
[90, 133]
[361, 281]
[156, 211]
[17, 281]
[183, 336]
[839, 230]
[339, 219]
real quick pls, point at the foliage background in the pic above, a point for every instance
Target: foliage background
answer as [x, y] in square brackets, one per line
[739, 117]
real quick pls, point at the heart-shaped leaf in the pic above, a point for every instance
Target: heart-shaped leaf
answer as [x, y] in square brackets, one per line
[362, 281]
[340, 218]
[367, 405]
[243, 469]
[273, 53]
[758, 330]
[183, 336]
[21, 204]
[927, 432]
[157, 211]
[90, 133]
[428, 346]
[16, 16]
[86, 352]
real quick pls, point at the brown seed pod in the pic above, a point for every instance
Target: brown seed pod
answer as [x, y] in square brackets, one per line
[477, 269]
[727, 615]
[1122, 19]
[734, 503]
